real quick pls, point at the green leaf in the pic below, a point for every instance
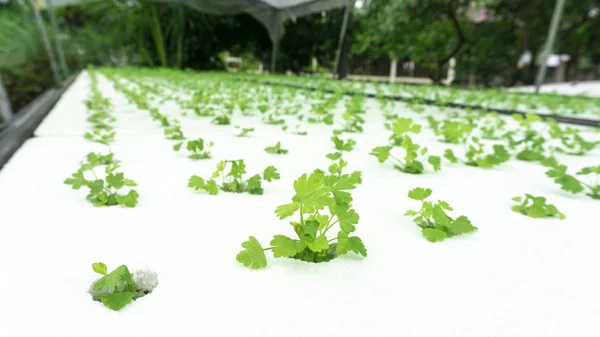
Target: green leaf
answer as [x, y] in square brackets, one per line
[381, 152]
[436, 162]
[353, 244]
[117, 301]
[536, 211]
[319, 244]
[287, 210]
[128, 200]
[311, 193]
[96, 186]
[434, 234]
[271, 174]
[283, 246]
[449, 154]
[462, 225]
[419, 193]
[76, 181]
[177, 146]
[99, 268]
[253, 255]
[334, 155]
[309, 230]
[255, 185]
[115, 180]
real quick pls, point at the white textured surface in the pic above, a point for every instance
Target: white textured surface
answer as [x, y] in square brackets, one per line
[587, 88]
[515, 277]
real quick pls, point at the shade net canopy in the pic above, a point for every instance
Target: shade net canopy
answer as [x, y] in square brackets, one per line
[271, 13]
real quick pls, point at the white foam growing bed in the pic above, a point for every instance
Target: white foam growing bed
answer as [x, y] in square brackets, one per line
[515, 277]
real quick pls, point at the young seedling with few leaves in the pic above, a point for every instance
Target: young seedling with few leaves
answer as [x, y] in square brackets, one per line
[197, 149]
[244, 132]
[102, 136]
[536, 207]
[475, 154]
[527, 140]
[571, 141]
[569, 183]
[174, 132]
[120, 287]
[221, 120]
[277, 149]
[343, 145]
[436, 225]
[321, 203]
[413, 153]
[231, 175]
[104, 192]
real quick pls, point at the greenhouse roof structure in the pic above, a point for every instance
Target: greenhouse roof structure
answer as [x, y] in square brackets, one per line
[270, 13]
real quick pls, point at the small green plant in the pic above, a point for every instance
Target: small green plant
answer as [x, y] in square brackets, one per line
[321, 203]
[435, 224]
[276, 149]
[536, 207]
[454, 131]
[102, 136]
[475, 155]
[197, 149]
[342, 145]
[493, 126]
[231, 174]
[414, 153]
[221, 120]
[527, 140]
[272, 120]
[119, 288]
[571, 142]
[243, 132]
[571, 184]
[104, 192]
[174, 133]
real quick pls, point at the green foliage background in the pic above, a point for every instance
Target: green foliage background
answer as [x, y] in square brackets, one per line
[429, 32]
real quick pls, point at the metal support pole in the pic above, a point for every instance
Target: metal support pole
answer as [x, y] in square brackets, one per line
[47, 46]
[5, 107]
[338, 52]
[549, 46]
[59, 47]
[274, 55]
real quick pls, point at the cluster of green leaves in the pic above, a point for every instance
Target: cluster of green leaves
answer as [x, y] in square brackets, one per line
[243, 132]
[222, 120]
[272, 119]
[452, 131]
[197, 149]
[323, 110]
[571, 141]
[103, 192]
[231, 174]
[492, 126]
[536, 207]
[353, 120]
[342, 145]
[114, 290]
[436, 225]
[528, 141]
[414, 153]
[299, 130]
[277, 149]
[174, 133]
[475, 154]
[99, 116]
[321, 201]
[572, 184]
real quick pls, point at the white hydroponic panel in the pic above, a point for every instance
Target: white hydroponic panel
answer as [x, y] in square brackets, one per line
[515, 277]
